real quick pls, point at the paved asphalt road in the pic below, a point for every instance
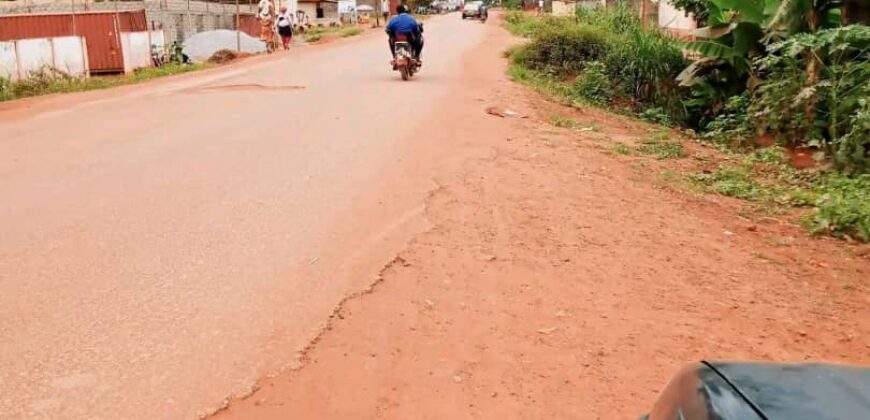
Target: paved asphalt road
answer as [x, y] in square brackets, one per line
[166, 245]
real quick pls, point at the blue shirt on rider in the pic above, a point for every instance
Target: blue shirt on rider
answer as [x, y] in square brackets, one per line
[403, 24]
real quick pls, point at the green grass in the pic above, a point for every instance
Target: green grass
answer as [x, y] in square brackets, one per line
[317, 33]
[521, 25]
[733, 181]
[560, 121]
[843, 208]
[659, 146]
[48, 81]
[621, 149]
[350, 31]
[841, 204]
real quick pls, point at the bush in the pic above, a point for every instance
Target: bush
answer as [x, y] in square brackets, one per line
[644, 65]
[4, 88]
[617, 19]
[613, 56]
[593, 85]
[853, 149]
[731, 126]
[563, 50]
[817, 109]
[512, 4]
[844, 208]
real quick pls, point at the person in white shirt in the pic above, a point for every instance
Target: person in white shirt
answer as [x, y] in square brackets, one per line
[284, 24]
[540, 7]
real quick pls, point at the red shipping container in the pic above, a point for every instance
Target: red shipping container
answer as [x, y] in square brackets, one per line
[101, 31]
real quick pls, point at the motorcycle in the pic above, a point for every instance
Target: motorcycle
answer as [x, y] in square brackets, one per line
[405, 62]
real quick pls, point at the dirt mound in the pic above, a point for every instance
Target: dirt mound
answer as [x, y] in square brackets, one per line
[225, 56]
[203, 45]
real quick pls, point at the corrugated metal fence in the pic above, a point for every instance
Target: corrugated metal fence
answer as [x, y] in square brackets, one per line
[101, 31]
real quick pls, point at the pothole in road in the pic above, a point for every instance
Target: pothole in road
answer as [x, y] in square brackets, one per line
[243, 87]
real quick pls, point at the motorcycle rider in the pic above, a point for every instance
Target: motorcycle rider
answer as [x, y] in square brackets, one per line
[405, 24]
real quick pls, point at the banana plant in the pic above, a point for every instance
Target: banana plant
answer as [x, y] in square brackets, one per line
[734, 35]
[738, 30]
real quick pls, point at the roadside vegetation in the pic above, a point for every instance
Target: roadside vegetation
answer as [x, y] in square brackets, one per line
[317, 33]
[49, 80]
[767, 78]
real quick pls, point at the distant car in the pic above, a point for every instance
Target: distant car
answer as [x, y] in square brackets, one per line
[765, 391]
[472, 9]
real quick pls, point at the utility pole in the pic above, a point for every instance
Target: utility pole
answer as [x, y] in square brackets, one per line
[73, 14]
[187, 29]
[643, 12]
[238, 27]
[118, 25]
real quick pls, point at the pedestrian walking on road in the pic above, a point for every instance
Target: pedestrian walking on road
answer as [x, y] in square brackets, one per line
[284, 23]
[266, 15]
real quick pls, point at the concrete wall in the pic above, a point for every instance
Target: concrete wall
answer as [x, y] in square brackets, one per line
[8, 60]
[563, 8]
[136, 47]
[674, 20]
[67, 54]
[310, 10]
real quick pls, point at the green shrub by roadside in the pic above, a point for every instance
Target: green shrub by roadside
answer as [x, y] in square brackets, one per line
[853, 149]
[593, 84]
[843, 208]
[5, 85]
[732, 126]
[512, 5]
[562, 51]
[634, 72]
[607, 58]
[820, 113]
[644, 64]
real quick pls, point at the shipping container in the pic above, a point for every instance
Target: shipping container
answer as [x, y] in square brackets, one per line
[101, 31]
[249, 24]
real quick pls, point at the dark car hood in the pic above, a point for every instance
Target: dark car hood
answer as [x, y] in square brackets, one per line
[801, 391]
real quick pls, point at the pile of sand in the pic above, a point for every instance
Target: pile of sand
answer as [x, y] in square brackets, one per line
[203, 45]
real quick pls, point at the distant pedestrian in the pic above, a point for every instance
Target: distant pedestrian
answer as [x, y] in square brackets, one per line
[540, 7]
[266, 15]
[284, 23]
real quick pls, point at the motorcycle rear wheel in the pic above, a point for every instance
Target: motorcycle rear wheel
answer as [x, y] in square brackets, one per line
[405, 74]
